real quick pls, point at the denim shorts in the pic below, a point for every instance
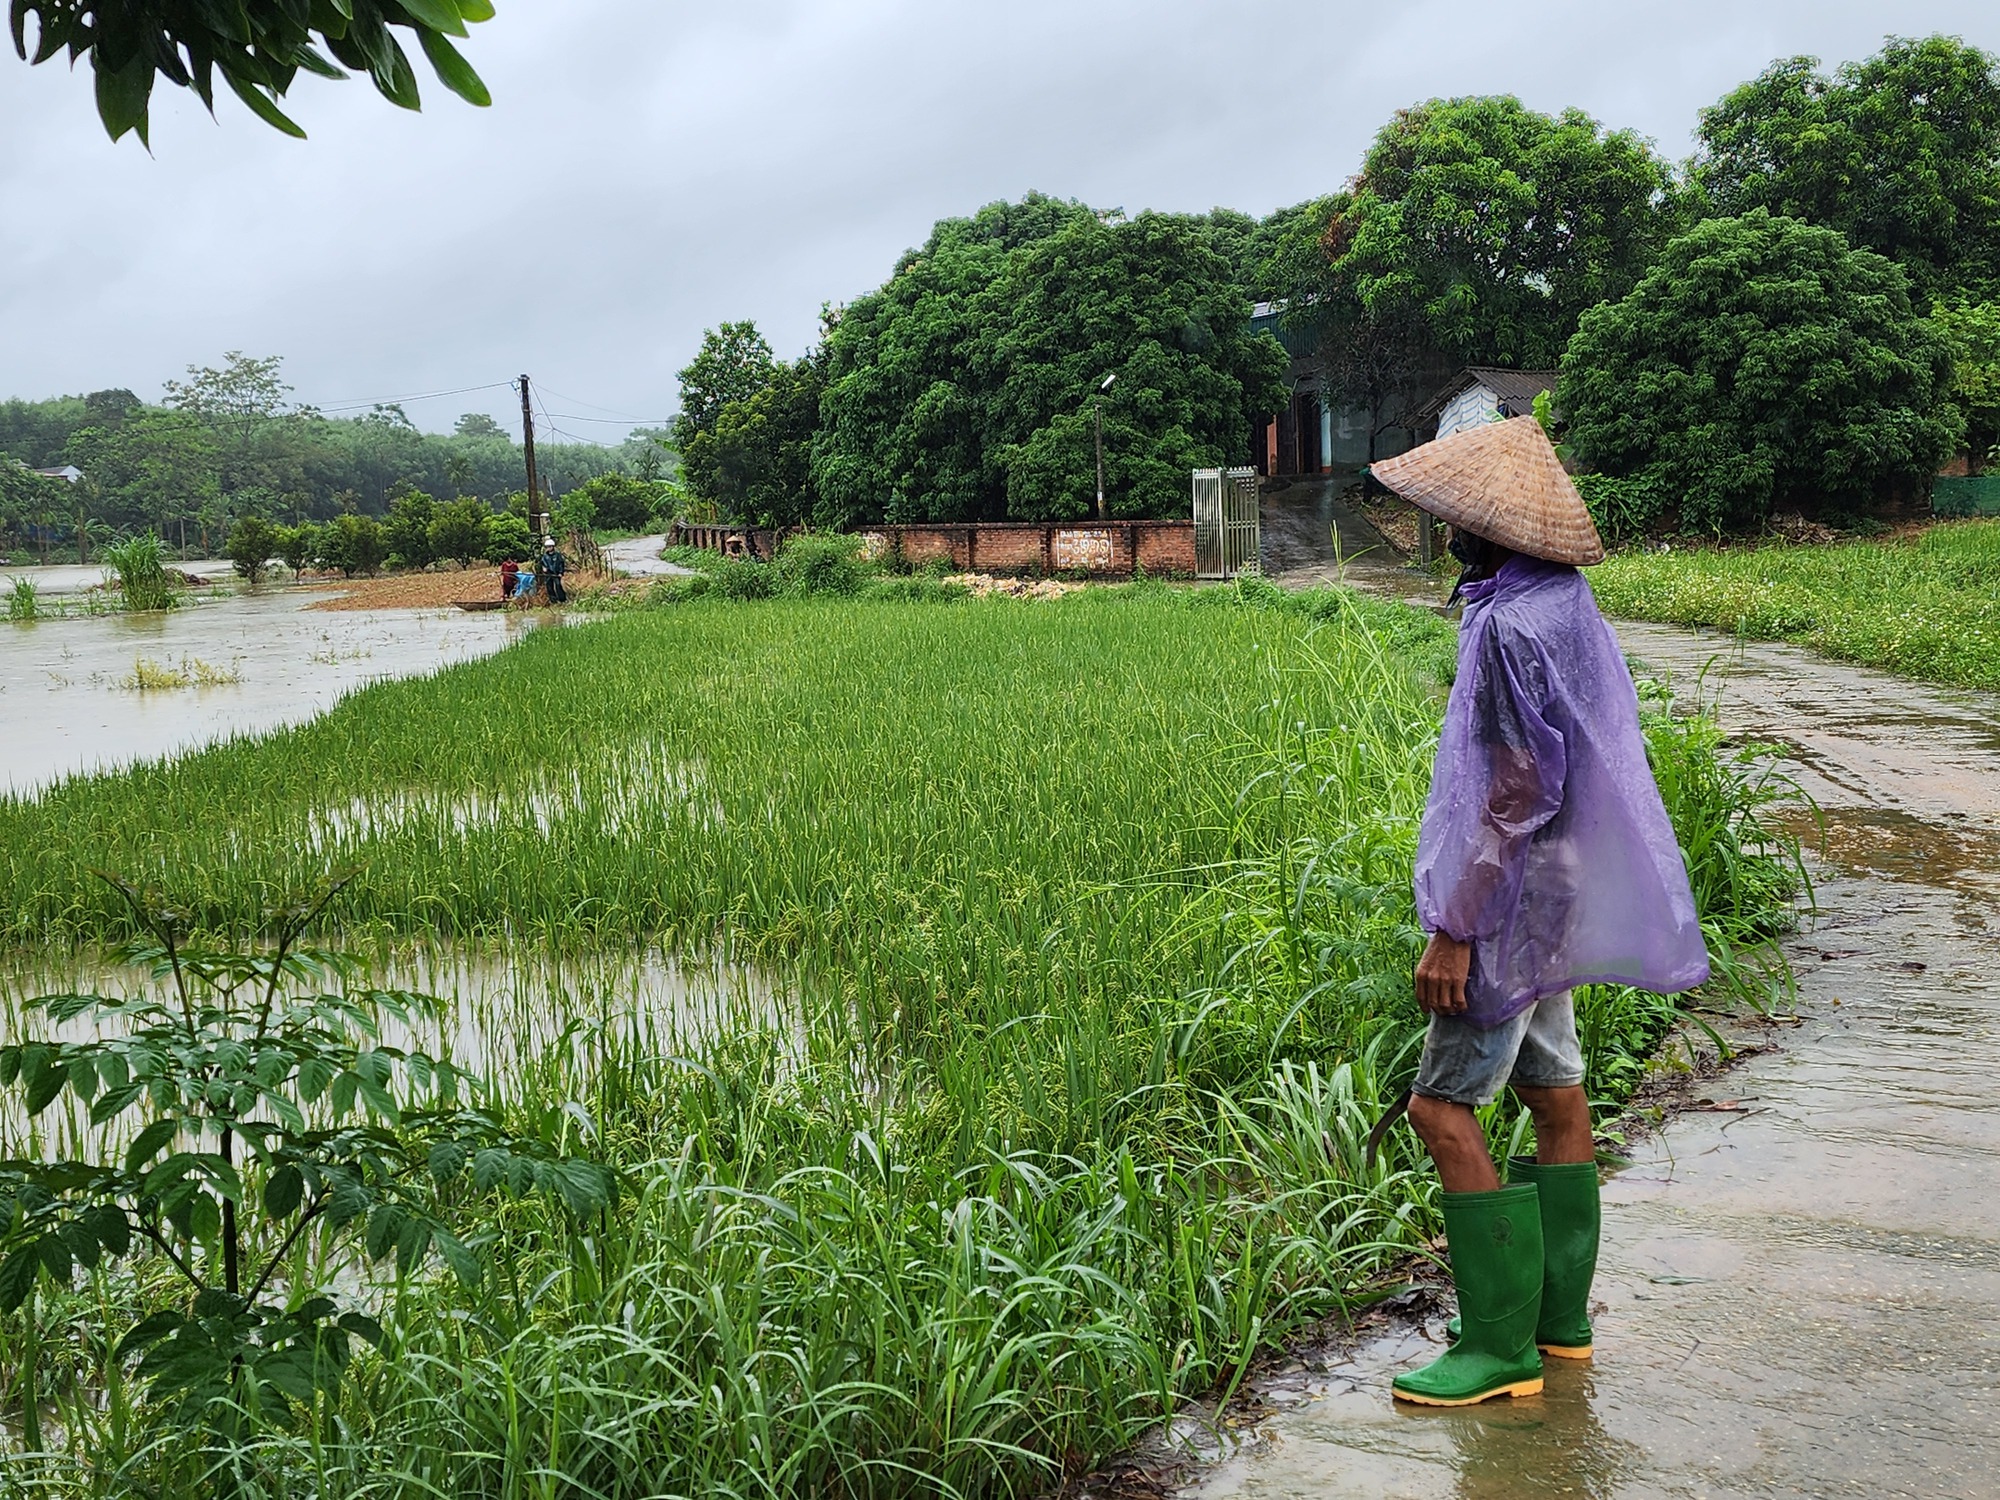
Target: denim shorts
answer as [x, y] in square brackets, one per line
[1465, 1064]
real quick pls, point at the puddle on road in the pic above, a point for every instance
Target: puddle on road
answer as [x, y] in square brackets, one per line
[1796, 1296]
[67, 710]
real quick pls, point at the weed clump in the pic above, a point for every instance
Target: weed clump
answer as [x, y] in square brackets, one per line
[142, 573]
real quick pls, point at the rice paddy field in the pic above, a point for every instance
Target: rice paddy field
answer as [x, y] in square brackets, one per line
[981, 1004]
[1927, 606]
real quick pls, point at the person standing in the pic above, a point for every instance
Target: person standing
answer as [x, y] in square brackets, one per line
[510, 572]
[550, 567]
[1545, 860]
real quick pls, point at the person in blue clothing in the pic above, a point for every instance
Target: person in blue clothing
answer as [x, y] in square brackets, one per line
[550, 567]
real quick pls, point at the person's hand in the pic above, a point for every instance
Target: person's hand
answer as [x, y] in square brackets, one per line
[1441, 975]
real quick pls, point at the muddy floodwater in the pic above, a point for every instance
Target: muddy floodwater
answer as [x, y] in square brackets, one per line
[1799, 1280]
[68, 703]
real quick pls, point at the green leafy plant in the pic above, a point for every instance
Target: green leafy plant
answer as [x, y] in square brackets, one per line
[298, 546]
[819, 564]
[142, 573]
[259, 47]
[1761, 362]
[253, 541]
[242, 1117]
[24, 600]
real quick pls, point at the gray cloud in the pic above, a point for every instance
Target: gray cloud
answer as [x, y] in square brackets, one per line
[649, 169]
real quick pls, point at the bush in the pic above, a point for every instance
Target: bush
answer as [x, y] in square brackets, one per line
[299, 546]
[740, 578]
[507, 535]
[253, 542]
[353, 544]
[1622, 508]
[459, 528]
[1762, 362]
[407, 528]
[621, 502]
[821, 563]
[142, 574]
[575, 512]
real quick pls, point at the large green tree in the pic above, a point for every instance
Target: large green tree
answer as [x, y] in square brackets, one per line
[963, 388]
[1764, 361]
[153, 470]
[1971, 330]
[756, 464]
[1485, 229]
[1900, 152]
[257, 46]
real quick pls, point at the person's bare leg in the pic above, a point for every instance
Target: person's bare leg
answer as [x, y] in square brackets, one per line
[1562, 1124]
[1451, 1133]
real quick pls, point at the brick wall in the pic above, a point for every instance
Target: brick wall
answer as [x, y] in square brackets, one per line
[1105, 549]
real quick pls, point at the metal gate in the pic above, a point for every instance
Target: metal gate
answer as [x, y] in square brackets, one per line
[1225, 522]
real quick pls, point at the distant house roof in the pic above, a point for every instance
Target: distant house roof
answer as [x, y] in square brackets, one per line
[1513, 391]
[69, 473]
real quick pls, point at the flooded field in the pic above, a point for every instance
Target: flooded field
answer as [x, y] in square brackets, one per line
[65, 580]
[1799, 1274]
[67, 693]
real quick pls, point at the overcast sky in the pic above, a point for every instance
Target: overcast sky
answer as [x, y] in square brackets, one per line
[652, 167]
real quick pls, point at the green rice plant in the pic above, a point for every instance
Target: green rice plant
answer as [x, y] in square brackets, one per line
[142, 573]
[23, 600]
[1075, 942]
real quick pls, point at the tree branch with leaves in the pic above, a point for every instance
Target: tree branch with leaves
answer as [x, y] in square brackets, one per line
[258, 47]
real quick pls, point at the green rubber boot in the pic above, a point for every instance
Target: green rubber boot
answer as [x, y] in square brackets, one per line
[1570, 1220]
[1496, 1262]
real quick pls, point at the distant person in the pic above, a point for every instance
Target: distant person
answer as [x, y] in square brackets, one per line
[524, 581]
[1545, 860]
[550, 567]
[510, 574]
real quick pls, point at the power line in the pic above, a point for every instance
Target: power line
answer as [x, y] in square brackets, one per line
[579, 401]
[463, 390]
[615, 421]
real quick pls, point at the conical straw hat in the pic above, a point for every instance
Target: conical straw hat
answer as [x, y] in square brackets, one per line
[1503, 481]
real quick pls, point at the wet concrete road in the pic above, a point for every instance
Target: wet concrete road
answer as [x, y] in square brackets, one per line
[1798, 1297]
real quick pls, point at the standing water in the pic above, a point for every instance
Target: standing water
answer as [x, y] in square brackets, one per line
[70, 703]
[1798, 1281]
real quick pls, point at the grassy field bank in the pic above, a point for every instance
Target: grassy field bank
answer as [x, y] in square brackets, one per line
[1928, 606]
[1093, 927]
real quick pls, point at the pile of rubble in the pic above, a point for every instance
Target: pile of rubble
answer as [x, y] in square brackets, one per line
[982, 584]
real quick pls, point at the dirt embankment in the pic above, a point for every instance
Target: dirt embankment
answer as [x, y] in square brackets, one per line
[449, 590]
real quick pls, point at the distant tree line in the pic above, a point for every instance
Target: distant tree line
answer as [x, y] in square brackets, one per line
[227, 443]
[1804, 314]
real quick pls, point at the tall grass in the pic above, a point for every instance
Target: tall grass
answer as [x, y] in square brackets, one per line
[1093, 923]
[1926, 606]
[142, 573]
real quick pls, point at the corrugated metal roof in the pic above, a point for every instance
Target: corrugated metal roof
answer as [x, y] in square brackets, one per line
[1515, 390]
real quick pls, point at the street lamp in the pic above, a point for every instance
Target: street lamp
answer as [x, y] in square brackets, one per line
[1097, 412]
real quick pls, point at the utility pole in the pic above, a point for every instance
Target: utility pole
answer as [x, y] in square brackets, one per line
[536, 522]
[1097, 415]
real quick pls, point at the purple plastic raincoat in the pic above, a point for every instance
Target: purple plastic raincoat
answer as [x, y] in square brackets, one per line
[1545, 844]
